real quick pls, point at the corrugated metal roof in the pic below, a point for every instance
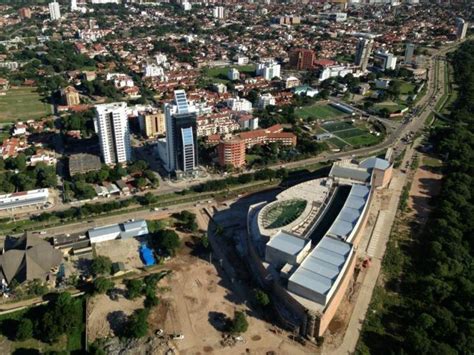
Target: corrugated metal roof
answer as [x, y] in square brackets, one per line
[319, 271]
[101, 231]
[287, 243]
[374, 163]
[350, 212]
[123, 230]
[348, 173]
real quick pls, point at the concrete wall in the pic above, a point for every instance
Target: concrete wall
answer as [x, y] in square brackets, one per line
[381, 178]
[336, 299]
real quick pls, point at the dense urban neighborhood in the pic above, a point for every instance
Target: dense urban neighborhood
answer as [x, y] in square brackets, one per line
[258, 177]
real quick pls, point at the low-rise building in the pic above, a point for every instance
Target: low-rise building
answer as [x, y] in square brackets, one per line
[24, 199]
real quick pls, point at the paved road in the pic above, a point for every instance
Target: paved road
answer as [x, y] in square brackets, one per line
[374, 242]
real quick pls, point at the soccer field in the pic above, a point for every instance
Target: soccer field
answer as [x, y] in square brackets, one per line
[22, 104]
[318, 111]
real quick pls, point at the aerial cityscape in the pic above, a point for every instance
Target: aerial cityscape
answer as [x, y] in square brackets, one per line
[236, 177]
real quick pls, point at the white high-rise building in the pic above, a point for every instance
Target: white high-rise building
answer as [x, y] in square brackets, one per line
[384, 60]
[268, 69]
[461, 28]
[186, 6]
[181, 135]
[54, 11]
[218, 12]
[74, 5]
[111, 125]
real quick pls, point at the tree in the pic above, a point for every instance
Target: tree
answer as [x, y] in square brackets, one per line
[134, 288]
[137, 325]
[205, 241]
[102, 285]
[24, 330]
[101, 265]
[239, 323]
[262, 298]
[54, 322]
[169, 240]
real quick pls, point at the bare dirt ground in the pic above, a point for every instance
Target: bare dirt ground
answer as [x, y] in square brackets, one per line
[105, 317]
[196, 295]
[126, 251]
[426, 184]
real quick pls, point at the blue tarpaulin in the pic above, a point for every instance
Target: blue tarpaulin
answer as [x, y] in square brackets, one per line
[146, 255]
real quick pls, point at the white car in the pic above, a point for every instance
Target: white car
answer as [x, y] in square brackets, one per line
[159, 332]
[177, 336]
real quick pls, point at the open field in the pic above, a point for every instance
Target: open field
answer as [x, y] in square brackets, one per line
[406, 88]
[22, 104]
[349, 133]
[389, 105]
[318, 111]
[220, 73]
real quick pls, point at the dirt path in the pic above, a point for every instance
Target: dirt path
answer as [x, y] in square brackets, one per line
[426, 184]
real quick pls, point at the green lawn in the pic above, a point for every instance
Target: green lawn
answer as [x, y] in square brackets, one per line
[406, 88]
[348, 133]
[220, 73]
[389, 105]
[365, 139]
[22, 104]
[318, 111]
[337, 126]
[336, 142]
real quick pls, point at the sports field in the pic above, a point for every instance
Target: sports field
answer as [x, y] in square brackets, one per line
[347, 133]
[318, 111]
[22, 104]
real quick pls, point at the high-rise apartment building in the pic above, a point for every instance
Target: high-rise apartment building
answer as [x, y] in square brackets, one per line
[74, 5]
[231, 152]
[302, 59]
[268, 69]
[218, 12]
[181, 135]
[384, 60]
[111, 125]
[152, 124]
[364, 48]
[461, 28]
[54, 11]
[409, 51]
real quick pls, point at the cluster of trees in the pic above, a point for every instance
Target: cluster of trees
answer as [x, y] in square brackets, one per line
[186, 221]
[264, 174]
[62, 316]
[79, 121]
[137, 324]
[79, 187]
[20, 177]
[437, 285]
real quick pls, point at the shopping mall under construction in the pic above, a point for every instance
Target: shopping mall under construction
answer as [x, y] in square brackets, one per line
[302, 246]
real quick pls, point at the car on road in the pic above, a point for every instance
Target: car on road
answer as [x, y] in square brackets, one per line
[177, 336]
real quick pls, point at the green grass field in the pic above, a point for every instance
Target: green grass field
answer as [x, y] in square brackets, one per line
[22, 104]
[389, 105]
[337, 126]
[318, 111]
[406, 88]
[220, 73]
[365, 139]
[336, 142]
[353, 132]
